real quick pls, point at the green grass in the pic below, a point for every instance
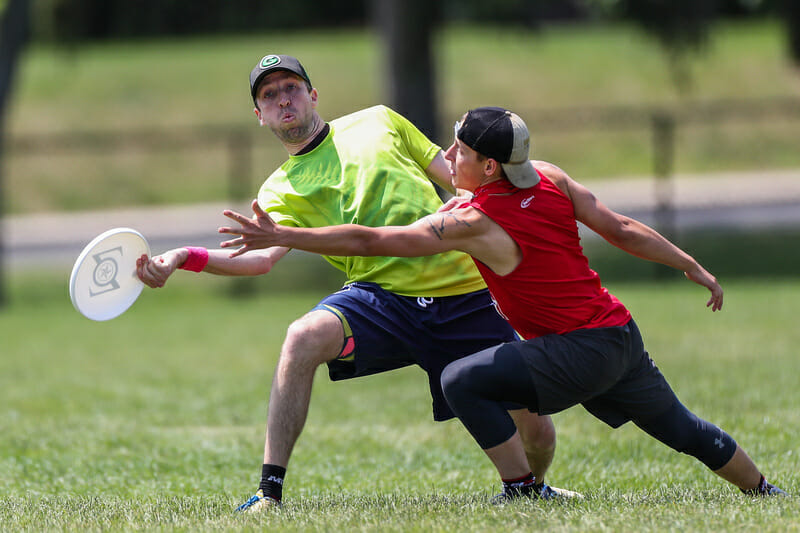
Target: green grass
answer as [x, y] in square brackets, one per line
[190, 84]
[155, 421]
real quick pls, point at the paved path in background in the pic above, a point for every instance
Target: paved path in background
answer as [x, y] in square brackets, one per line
[733, 200]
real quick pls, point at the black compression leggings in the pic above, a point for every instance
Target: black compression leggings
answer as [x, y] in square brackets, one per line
[684, 432]
[476, 386]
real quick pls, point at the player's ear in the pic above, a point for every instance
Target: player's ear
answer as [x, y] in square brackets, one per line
[491, 166]
[258, 115]
[314, 95]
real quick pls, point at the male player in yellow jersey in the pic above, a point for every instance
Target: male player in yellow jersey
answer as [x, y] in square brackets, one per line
[371, 167]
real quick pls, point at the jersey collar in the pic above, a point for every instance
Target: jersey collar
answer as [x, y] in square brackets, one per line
[316, 141]
[502, 186]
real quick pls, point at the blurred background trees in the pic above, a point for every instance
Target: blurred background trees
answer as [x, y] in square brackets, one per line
[409, 73]
[680, 26]
[677, 22]
[406, 27]
[13, 37]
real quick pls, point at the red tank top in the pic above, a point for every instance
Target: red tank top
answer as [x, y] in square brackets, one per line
[552, 290]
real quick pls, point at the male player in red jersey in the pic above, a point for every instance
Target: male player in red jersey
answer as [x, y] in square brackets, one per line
[580, 345]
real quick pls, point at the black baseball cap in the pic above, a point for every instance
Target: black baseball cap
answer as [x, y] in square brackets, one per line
[501, 135]
[271, 63]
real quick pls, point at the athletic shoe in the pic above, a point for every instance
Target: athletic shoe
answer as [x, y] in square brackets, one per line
[535, 492]
[510, 495]
[546, 492]
[772, 490]
[768, 489]
[765, 488]
[257, 503]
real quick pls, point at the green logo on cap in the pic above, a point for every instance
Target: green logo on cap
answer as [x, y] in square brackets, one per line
[268, 61]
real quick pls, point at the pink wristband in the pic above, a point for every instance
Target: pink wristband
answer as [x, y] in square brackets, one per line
[197, 259]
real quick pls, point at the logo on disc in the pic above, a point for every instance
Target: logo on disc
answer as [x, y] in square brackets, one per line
[104, 278]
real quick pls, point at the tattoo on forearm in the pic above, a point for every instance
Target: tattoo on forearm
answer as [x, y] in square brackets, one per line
[439, 223]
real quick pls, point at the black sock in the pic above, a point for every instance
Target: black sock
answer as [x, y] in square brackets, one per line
[760, 489]
[272, 481]
[522, 485]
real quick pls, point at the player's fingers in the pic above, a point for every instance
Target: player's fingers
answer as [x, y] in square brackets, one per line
[146, 277]
[449, 204]
[257, 209]
[238, 252]
[715, 302]
[139, 269]
[238, 217]
[159, 272]
[232, 231]
[232, 242]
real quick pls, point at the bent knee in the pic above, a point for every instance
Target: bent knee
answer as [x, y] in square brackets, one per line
[536, 431]
[317, 335]
[456, 377]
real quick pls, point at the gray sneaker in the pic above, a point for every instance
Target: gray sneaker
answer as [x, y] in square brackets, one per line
[772, 490]
[765, 488]
[775, 491]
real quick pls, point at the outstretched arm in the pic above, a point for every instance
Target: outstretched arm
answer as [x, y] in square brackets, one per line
[467, 230]
[155, 271]
[417, 239]
[631, 235]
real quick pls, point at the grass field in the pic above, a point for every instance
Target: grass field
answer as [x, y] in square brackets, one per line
[190, 85]
[155, 421]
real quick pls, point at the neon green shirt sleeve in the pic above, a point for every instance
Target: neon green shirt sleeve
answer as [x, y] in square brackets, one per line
[419, 147]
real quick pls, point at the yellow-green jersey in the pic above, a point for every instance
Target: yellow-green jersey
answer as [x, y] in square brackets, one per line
[369, 170]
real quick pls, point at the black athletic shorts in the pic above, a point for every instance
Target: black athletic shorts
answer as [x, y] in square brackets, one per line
[607, 370]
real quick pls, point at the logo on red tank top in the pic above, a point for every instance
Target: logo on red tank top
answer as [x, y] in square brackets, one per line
[526, 202]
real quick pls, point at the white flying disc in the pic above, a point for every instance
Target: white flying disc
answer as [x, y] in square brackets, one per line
[103, 284]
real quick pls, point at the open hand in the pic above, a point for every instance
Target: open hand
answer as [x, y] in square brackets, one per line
[254, 234]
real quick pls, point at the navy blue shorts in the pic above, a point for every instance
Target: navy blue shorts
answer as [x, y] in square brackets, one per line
[385, 331]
